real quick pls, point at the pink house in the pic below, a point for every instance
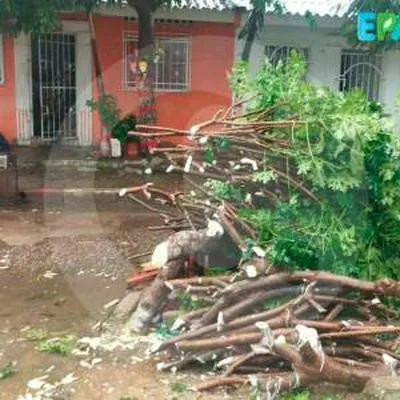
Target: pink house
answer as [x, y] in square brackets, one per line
[46, 81]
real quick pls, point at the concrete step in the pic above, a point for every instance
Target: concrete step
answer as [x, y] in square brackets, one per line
[82, 160]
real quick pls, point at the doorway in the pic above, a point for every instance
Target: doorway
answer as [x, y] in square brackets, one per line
[54, 89]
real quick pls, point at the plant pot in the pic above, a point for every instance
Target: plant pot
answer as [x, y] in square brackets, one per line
[105, 148]
[132, 149]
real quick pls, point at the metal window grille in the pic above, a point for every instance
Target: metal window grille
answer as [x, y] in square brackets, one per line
[2, 77]
[54, 75]
[281, 54]
[172, 66]
[361, 70]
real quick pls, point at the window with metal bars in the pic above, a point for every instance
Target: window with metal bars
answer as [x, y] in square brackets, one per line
[2, 77]
[361, 70]
[278, 54]
[172, 64]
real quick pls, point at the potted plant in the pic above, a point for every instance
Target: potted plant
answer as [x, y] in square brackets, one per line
[118, 127]
[110, 115]
[129, 144]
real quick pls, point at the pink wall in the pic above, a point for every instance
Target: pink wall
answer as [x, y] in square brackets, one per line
[7, 94]
[212, 58]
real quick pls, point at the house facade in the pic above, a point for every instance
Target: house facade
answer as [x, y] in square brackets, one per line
[331, 60]
[46, 81]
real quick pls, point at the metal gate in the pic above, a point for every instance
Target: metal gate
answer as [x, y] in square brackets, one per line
[54, 86]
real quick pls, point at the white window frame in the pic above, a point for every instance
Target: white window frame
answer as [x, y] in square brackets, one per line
[132, 36]
[371, 71]
[2, 63]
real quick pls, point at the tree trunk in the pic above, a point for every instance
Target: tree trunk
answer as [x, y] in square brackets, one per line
[95, 53]
[247, 47]
[250, 37]
[155, 297]
[145, 62]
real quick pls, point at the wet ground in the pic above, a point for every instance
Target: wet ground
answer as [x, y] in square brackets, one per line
[72, 304]
[62, 258]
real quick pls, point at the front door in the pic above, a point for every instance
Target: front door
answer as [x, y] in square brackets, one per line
[54, 86]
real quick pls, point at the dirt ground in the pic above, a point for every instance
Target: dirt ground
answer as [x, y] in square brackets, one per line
[62, 258]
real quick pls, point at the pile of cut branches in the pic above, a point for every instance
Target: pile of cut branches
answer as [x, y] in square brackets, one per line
[291, 179]
[285, 330]
[309, 175]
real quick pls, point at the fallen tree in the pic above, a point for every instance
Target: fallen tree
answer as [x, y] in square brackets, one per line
[295, 329]
[304, 184]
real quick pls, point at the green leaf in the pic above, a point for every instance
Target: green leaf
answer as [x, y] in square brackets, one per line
[208, 156]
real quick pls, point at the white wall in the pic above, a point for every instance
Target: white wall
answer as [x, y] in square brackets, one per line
[324, 49]
[23, 82]
[390, 88]
[323, 46]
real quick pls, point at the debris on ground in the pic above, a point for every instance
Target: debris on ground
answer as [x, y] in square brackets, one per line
[40, 389]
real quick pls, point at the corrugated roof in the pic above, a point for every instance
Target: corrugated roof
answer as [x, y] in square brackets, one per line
[207, 4]
[332, 8]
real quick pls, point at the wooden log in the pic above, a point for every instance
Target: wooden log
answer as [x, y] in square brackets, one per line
[226, 381]
[181, 245]
[280, 322]
[285, 381]
[361, 332]
[154, 297]
[247, 305]
[334, 313]
[220, 281]
[242, 360]
[312, 366]
[235, 324]
[384, 287]
[216, 343]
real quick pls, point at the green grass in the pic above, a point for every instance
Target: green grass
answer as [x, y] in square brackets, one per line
[58, 345]
[7, 371]
[54, 343]
[178, 387]
[296, 395]
[306, 395]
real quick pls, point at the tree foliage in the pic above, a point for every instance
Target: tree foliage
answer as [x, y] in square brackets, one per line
[344, 153]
